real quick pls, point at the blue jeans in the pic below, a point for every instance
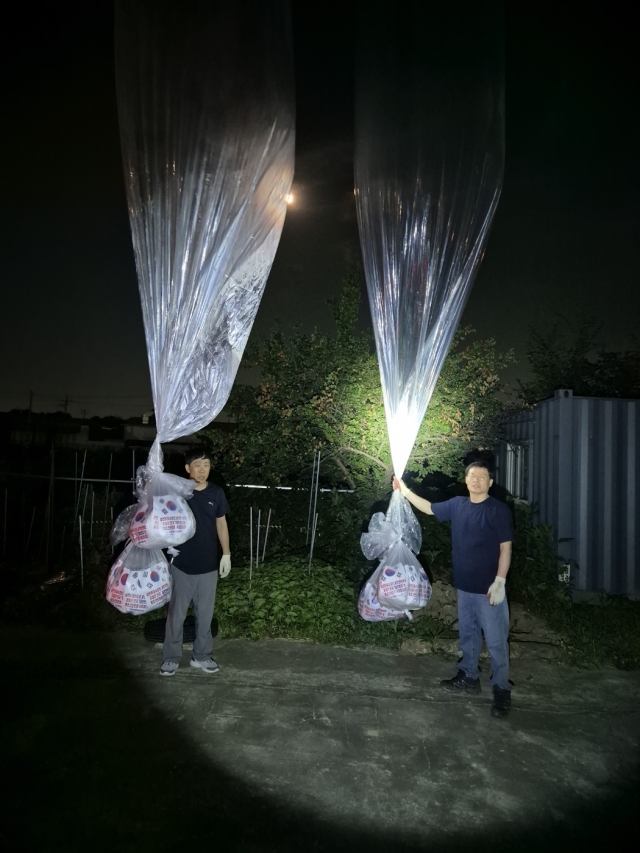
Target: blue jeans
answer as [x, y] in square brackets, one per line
[476, 617]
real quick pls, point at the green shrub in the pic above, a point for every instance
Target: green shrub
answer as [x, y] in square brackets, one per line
[606, 633]
[283, 600]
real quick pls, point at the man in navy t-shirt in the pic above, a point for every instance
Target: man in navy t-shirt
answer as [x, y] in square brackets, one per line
[194, 571]
[481, 536]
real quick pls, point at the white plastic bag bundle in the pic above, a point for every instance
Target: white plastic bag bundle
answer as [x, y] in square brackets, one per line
[399, 584]
[162, 518]
[162, 521]
[120, 530]
[369, 606]
[139, 581]
[399, 523]
[402, 583]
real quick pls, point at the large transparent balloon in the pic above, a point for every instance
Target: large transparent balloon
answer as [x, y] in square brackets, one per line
[206, 107]
[428, 175]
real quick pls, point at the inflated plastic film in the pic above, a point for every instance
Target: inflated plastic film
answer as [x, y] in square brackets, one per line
[205, 100]
[428, 174]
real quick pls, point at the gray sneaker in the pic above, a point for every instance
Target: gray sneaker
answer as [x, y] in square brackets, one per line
[169, 667]
[207, 665]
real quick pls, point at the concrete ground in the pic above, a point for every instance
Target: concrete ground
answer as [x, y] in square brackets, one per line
[300, 747]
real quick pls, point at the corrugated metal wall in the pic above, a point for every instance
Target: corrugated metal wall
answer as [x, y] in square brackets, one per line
[582, 477]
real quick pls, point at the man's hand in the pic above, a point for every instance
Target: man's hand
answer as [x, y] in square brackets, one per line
[419, 503]
[225, 565]
[399, 486]
[496, 591]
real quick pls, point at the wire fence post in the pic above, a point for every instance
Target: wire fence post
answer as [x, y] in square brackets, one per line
[313, 477]
[81, 554]
[258, 540]
[313, 499]
[315, 502]
[79, 489]
[313, 539]
[266, 533]
[250, 545]
[106, 498]
[84, 503]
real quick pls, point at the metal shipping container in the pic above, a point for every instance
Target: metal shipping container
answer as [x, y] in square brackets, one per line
[576, 459]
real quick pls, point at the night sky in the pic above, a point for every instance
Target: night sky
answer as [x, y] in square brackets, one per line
[565, 237]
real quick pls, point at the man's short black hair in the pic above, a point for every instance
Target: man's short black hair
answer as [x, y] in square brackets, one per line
[196, 453]
[479, 463]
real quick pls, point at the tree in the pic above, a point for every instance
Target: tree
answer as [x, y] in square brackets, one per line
[569, 354]
[322, 392]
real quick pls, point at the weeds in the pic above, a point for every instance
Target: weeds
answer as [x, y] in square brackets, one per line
[283, 600]
[606, 633]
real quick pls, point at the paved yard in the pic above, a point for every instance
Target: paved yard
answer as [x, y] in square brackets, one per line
[296, 747]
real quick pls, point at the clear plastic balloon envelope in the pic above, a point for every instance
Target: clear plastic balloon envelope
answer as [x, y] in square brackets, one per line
[428, 175]
[206, 108]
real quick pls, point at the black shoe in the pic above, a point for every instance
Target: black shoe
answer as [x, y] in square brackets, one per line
[461, 683]
[501, 704]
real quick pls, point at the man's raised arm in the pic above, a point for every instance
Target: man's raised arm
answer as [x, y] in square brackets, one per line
[419, 503]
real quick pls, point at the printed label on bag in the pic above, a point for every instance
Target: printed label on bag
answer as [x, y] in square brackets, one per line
[126, 589]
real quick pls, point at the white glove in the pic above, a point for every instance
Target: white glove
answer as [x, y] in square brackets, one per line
[225, 565]
[495, 593]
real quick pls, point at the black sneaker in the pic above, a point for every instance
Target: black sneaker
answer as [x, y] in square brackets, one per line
[461, 683]
[501, 704]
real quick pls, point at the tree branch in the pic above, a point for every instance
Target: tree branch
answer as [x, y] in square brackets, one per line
[345, 471]
[362, 453]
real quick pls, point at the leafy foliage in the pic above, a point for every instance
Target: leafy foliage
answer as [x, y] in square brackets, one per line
[535, 566]
[322, 392]
[606, 633]
[283, 599]
[337, 541]
[568, 354]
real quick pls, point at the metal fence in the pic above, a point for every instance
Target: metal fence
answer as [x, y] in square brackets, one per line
[576, 459]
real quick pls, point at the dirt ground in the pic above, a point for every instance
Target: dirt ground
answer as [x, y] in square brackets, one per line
[302, 747]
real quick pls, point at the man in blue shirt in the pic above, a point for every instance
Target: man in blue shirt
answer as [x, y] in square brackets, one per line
[481, 537]
[194, 571]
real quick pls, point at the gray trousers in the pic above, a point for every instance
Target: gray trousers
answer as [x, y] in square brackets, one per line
[201, 589]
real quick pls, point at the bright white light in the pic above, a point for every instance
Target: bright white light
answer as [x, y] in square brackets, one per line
[403, 423]
[289, 198]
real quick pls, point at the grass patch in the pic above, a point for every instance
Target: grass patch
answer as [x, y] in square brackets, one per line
[284, 600]
[604, 633]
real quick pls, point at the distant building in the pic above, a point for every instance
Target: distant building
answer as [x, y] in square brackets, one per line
[576, 461]
[64, 432]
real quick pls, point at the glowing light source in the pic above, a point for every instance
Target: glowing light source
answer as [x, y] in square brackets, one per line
[289, 198]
